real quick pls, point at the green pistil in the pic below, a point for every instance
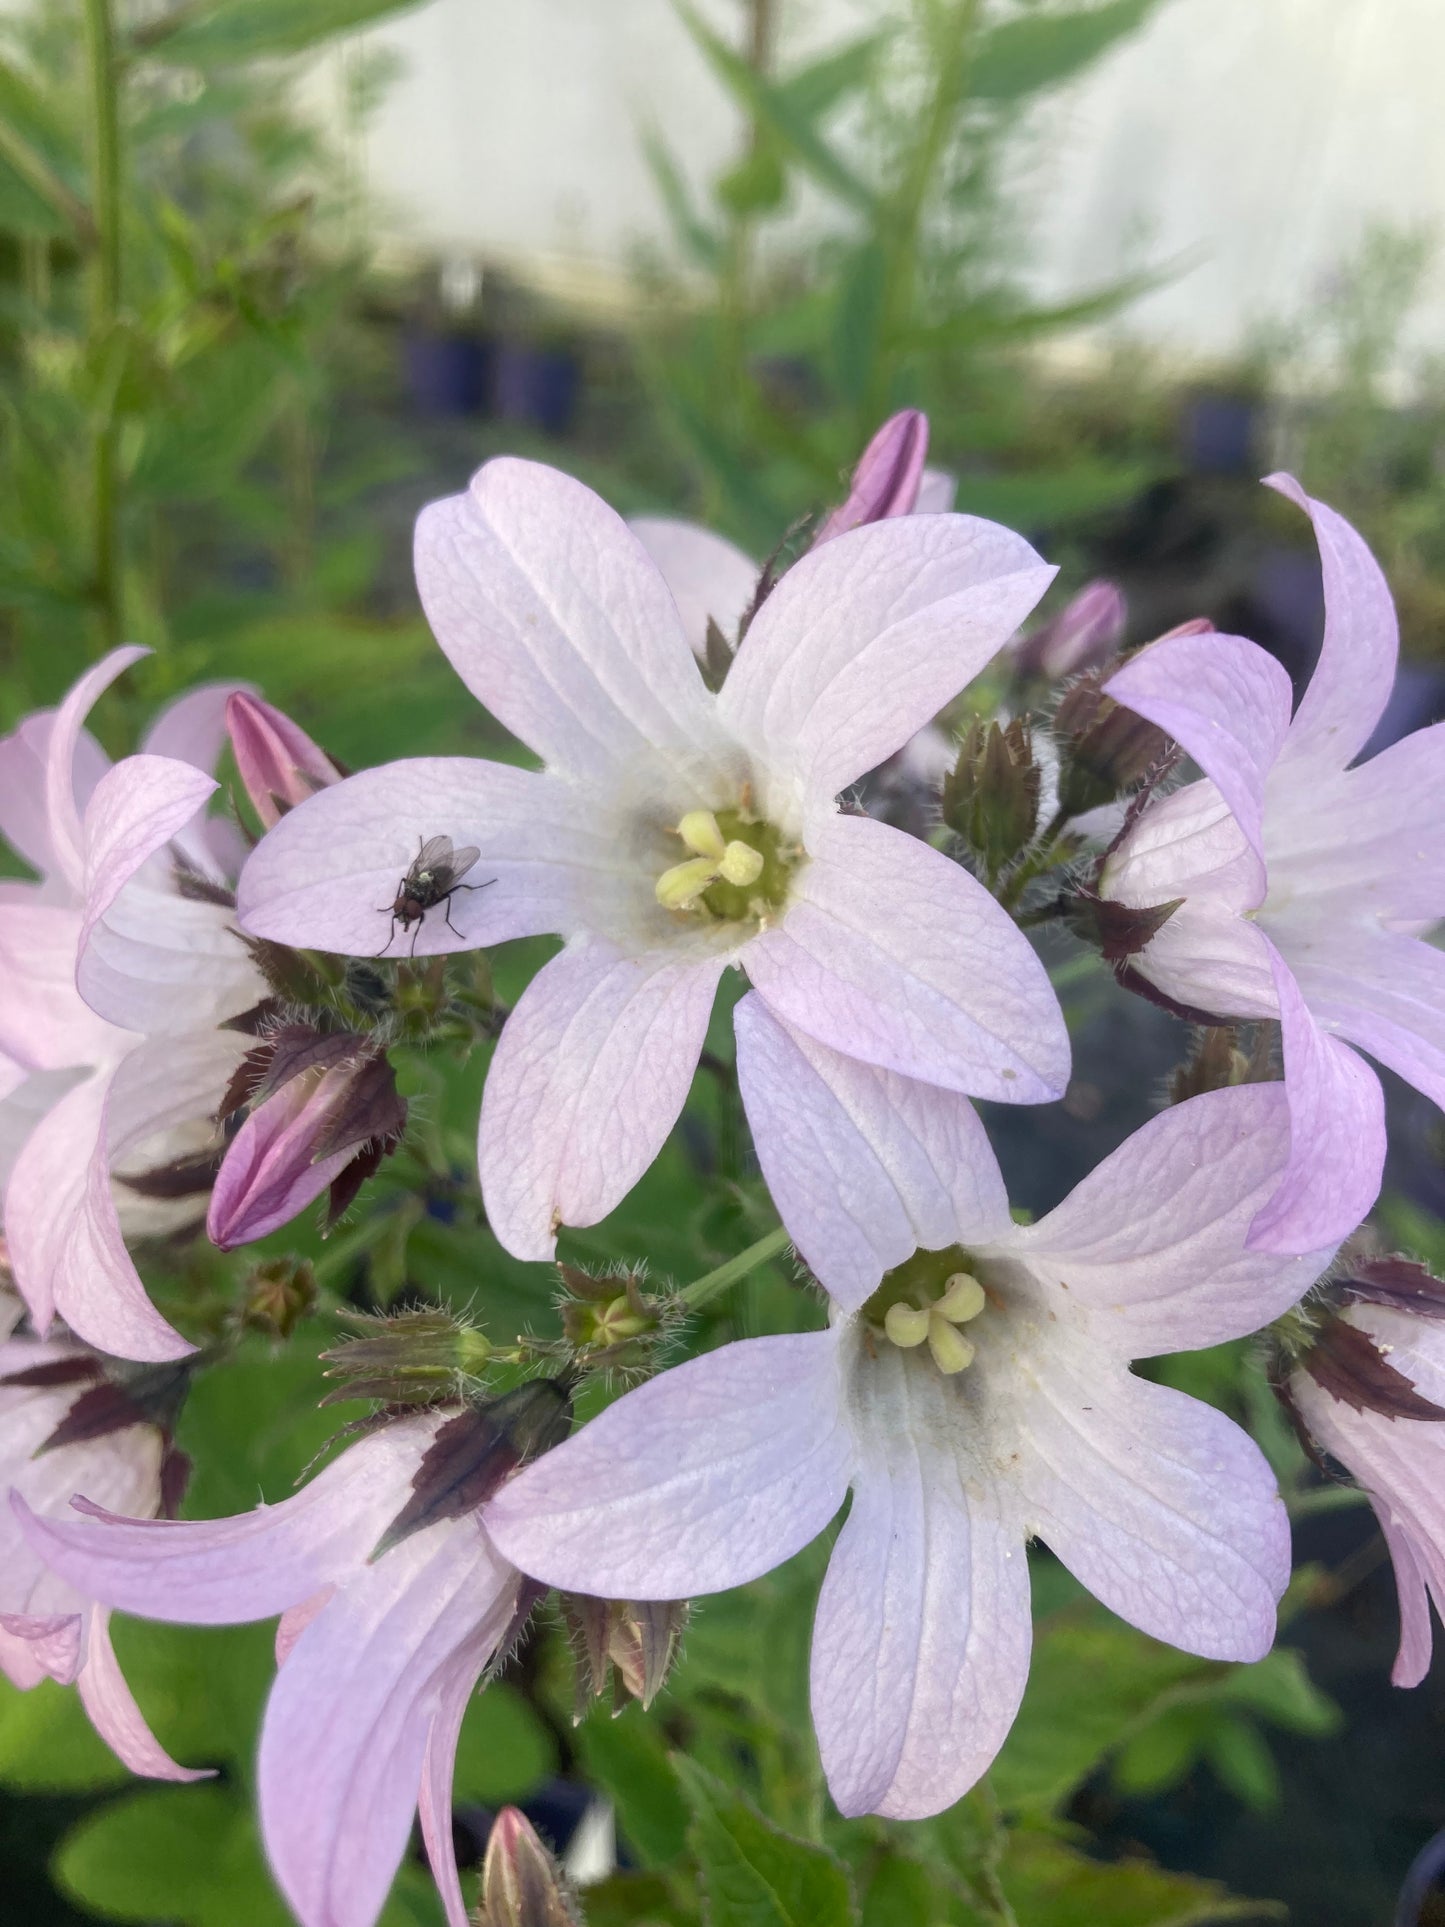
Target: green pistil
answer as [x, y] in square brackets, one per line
[737, 903]
[919, 1280]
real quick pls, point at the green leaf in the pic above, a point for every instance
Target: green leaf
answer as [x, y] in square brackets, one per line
[47, 1745]
[628, 1759]
[1278, 1688]
[1050, 1885]
[691, 230]
[636, 1900]
[813, 89]
[1043, 49]
[770, 105]
[1240, 1755]
[42, 172]
[505, 1752]
[753, 1875]
[1162, 1754]
[231, 31]
[858, 319]
[900, 1894]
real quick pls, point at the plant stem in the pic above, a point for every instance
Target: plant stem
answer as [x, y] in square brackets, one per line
[36, 171]
[105, 311]
[736, 1269]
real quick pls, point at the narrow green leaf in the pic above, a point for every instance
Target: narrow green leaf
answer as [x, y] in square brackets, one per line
[1240, 1755]
[1043, 49]
[231, 31]
[813, 89]
[753, 1875]
[692, 232]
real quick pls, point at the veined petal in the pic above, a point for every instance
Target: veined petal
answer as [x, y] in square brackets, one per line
[122, 1470]
[1412, 1661]
[192, 729]
[1160, 1505]
[865, 1167]
[1337, 1133]
[221, 1572]
[1152, 1241]
[1226, 702]
[454, 1691]
[62, 802]
[708, 576]
[701, 1479]
[1356, 669]
[865, 639]
[921, 1644]
[552, 613]
[1185, 844]
[327, 875]
[346, 1727]
[24, 758]
[592, 1068]
[1209, 958]
[1381, 991]
[113, 1712]
[889, 952]
[45, 1024]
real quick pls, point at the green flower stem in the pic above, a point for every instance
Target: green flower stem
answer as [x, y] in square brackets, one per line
[105, 309]
[713, 1282]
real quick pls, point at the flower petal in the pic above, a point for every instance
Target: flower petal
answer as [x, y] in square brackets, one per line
[701, 1479]
[44, 1022]
[921, 1644]
[1209, 958]
[192, 729]
[270, 1172]
[865, 1167]
[63, 802]
[1384, 992]
[24, 759]
[327, 875]
[937, 489]
[555, 618]
[1224, 701]
[1152, 1241]
[346, 1726]
[889, 952]
[1157, 1503]
[113, 1711]
[1356, 670]
[1185, 844]
[221, 1572]
[865, 639]
[456, 1686]
[709, 577]
[1337, 1133]
[591, 1071]
[1417, 1639]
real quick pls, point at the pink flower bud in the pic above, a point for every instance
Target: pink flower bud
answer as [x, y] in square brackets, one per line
[521, 1883]
[278, 762]
[885, 482]
[1085, 634]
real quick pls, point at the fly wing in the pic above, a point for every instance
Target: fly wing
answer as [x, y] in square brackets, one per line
[435, 853]
[460, 861]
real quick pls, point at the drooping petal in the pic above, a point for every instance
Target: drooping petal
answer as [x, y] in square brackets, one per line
[1152, 1241]
[192, 729]
[457, 1683]
[709, 578]
[122, 1470]
[327, 875]
[554, 616]
[1160, 1505]
[24, 760]
[1226, 702]
[1356, 669]
[1417, 1641]
[864, 640]
[345, 1733]
[44, 1022]
[889, 952]
[921, 1645]
[701, 1479]
[593, 1066]
[46, 1189]
[113, 1711]
[1381, 991]
[221, 1572]
[63, 805]
[1337, 1133]
[865, 1167]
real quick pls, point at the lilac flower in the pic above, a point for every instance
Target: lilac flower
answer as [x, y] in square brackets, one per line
[674, 833]
[1306, 882]
[1399, 1460]
[49, 1628]
[378, 1656]
[1085, 634]
[114, 980]
[973, 1390]
[277, 761]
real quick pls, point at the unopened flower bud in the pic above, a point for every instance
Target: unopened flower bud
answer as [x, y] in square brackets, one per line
[1103, 748]
[1216, 1064]
[1085, 634]
[278, 1295]
[325, 1110]
[277, 761]
[407, 1358]
[522, 1885]
[632, 1643]
[991, 796]
[885, 482]
[609, 1322]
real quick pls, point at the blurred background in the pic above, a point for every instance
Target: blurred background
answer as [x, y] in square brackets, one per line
[275, 272]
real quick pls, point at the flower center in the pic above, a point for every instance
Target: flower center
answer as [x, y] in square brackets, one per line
[738, 867]
[924, 1301]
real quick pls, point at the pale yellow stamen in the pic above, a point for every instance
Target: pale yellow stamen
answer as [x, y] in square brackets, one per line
[681, 886]
[700, 832]
[714, 860]
[952, 1352]
[963, 1298]
[906, 1325]
[741, 864]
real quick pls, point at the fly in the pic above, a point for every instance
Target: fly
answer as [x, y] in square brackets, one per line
[433, 879]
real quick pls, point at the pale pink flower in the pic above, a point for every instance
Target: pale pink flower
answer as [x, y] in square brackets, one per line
[115, 978]
[276, 760]
[674, 833]
[49, 1628]
[1307, 882]
[973, 1390]
[1085, 634]
[1399, 1461]
[378, 1656]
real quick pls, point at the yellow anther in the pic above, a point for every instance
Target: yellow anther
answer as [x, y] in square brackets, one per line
[952, 1352]
[681, 886]
[906, 1325]
[963, 1298]
[741, 864]
[699, 831]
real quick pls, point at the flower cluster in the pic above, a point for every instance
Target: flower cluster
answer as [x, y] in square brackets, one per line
[720, 753]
